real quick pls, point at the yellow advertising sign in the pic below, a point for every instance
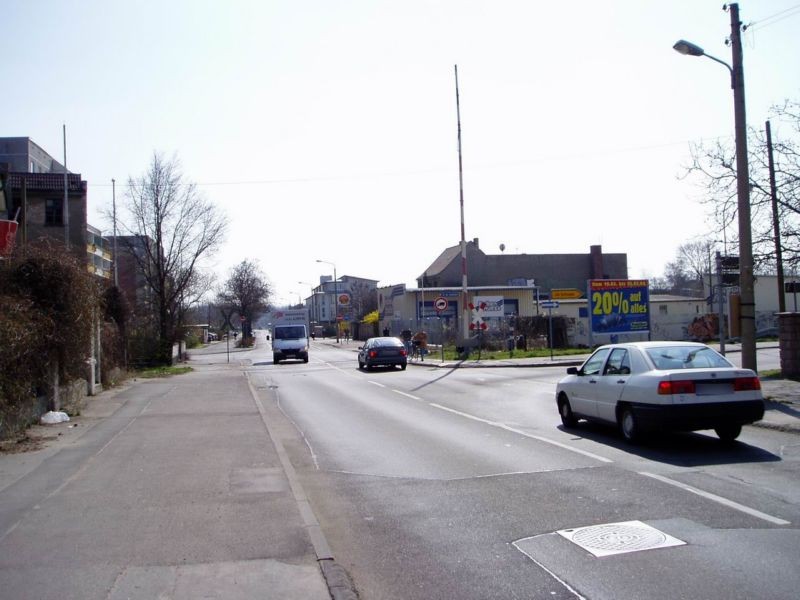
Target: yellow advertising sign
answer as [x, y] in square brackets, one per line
[565, 294]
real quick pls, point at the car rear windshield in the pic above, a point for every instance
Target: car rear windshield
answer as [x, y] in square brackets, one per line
[387, 342]
[686, 357]
[292, 332]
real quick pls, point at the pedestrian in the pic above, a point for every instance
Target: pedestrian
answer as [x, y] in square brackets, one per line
[420, 340]
[405, 335]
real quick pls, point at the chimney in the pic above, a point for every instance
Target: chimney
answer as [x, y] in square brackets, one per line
[596, 257]
[475, 241]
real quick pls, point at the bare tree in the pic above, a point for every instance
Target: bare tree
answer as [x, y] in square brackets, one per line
[364, 299]
[697, 260]
[172, 228]
[246, 291]
[714, 166]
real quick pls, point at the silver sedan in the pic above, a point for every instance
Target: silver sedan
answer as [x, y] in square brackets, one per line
[646, 386]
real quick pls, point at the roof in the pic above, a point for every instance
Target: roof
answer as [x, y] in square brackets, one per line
[445, 258]
[46, 182]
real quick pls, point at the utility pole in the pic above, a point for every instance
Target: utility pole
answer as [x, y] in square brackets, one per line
[746, 279]
[721, 304]
[65, 216]
[776, 223]
[114, 208]
[464, 295]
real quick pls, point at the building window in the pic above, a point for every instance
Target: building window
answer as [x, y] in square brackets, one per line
[53, 212]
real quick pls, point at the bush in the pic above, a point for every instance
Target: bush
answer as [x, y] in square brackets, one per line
[193, 339]
[48, 304]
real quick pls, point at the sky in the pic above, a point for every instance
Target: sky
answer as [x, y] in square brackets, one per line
[328, 130]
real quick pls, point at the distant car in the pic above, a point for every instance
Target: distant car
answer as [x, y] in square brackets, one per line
[647, 386]
[382, 351]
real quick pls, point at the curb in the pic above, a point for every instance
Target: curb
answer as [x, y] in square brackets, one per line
[495, 365]
[339, 583]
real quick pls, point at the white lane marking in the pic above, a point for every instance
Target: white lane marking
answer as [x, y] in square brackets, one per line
[407, 395]
[522, 433]
[376, 383]
[724, 501]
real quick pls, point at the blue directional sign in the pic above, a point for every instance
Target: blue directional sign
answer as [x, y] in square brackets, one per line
[549, 304]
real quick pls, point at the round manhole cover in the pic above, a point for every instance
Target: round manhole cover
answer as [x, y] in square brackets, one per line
[618, 538]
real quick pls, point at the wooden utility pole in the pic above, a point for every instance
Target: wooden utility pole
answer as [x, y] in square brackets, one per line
[776, 226]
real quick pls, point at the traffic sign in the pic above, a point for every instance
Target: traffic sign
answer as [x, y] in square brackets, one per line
[549, 304]
[565, 294]
[440, 304]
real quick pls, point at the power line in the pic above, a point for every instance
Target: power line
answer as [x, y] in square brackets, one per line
[773, 19]
[600, 152]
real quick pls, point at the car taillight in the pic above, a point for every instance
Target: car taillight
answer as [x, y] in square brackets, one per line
[667, 388]
[745, 384]
[373, 353]
[403, 352]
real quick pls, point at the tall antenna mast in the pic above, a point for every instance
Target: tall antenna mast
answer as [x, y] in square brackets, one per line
[464, 295]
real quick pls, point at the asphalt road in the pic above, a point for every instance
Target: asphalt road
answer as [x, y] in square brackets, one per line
[245, 479]
[438, 483]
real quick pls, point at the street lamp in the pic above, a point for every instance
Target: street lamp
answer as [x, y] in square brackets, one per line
[313, 296]
[336, 296]
[747, 322]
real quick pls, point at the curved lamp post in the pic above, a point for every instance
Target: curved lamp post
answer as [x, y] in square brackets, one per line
[336, 296]
[746, 280]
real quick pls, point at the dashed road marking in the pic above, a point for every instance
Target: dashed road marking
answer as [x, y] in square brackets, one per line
[407, 395]
[522, 433]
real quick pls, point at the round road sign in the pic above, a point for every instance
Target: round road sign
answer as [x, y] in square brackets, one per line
[440, 304]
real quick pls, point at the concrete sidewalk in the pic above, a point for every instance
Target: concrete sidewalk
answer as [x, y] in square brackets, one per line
[169, 488]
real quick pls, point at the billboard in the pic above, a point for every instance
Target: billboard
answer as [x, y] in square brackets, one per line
[490, 306]
[619, 305]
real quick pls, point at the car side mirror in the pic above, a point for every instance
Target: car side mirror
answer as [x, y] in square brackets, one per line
[572, 370]
[361, 347]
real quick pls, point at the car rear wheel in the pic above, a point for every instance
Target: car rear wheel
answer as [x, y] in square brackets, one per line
[361, 365]
[728, 433]
[568, 418]
[629, 425]
[403, 367]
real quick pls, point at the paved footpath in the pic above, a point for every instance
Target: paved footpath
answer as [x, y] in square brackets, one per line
[169, 488]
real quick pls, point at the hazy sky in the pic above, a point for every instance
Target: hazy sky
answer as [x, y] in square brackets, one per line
[327, 130]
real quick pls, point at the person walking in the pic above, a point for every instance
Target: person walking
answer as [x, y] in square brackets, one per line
[406, 335]
[420, 341]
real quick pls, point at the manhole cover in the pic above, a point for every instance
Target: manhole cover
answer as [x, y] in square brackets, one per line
[619, 538]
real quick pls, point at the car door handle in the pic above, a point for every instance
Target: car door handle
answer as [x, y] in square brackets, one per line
[620, 381]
